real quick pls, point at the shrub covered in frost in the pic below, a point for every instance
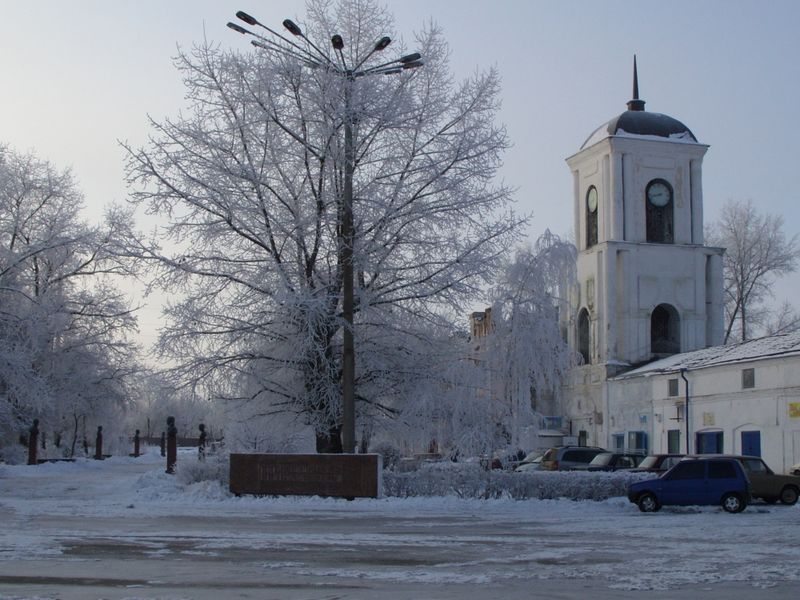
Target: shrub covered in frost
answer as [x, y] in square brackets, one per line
[216, 467]
[467, 480]
[390, 454]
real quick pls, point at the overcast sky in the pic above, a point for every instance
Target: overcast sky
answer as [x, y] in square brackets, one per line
[78, 76]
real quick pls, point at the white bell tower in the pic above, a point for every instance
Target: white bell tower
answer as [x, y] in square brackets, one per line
[648, 286]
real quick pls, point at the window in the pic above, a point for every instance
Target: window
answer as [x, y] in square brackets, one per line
[673, 387]
[673, 441]
[748, 378]
[637, 440]
[659, 212]
[591, 217]
[753, 465]
[665, 330]
[688, 469]
[721, 469]
[618, 441]
[584, 344]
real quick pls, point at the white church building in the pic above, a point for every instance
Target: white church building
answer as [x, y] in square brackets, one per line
[647, 315]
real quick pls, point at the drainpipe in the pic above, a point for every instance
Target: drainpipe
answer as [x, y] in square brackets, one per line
[686, 409]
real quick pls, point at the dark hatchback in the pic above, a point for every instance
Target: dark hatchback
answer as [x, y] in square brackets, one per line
[695, 481]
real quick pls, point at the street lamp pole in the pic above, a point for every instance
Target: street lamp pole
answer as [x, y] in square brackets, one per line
[348, 240]
[311, 56]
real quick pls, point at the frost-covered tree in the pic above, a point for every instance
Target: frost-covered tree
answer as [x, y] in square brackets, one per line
[757, 251]
[492, 387]
[527, 354]
[249, 185]
[64, 350]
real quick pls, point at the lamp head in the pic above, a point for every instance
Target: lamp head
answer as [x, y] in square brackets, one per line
[247, 18]
[292, 27]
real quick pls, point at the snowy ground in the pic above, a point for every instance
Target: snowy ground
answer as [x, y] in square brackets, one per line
[121, 528]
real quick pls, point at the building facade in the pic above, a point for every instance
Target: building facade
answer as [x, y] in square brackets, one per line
[647, 314]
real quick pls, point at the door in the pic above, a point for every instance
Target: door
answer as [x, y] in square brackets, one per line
[751, 443]
[709, 442]
[684, 484]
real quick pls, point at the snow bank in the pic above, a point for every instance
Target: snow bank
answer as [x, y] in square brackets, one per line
[471, 481]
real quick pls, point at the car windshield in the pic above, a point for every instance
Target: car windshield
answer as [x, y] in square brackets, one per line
[550, 454]
[649, 462]
[602, 459]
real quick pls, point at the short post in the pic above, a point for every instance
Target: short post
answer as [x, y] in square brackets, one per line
[98, 444]
[172, 445]
[136, 444]
[33, 441]
[163, 444]
[201, 443]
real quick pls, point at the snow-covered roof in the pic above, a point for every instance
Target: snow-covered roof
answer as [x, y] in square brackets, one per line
[640, 123]
[774, 346]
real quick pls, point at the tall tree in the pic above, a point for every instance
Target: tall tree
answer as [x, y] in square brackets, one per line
[528, 356]
[757, 251]
[250, 185]
[64, 346]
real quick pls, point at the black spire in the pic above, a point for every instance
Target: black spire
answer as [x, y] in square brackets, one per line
[635, 103]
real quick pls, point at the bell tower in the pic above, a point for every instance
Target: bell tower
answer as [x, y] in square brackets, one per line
[648, 286]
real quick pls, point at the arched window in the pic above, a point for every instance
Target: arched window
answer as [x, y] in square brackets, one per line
[659, 210]
[591, 217]
[584, 340]
[665, 330]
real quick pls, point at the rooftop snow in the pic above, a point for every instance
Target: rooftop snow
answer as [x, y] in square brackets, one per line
[774, 346]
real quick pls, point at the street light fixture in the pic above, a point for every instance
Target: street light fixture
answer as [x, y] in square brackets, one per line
[312, 57]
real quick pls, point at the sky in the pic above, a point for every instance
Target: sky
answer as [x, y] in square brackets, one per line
[81, 76]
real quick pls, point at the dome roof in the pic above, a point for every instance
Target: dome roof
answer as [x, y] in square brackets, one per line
[641, 122]
[636, 121]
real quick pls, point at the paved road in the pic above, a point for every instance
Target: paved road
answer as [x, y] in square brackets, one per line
[152, 547]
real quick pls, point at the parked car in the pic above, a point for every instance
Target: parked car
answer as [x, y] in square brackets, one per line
[795, 469]
[657, 463]
[564, 458]
[612, 461]
[534, 464]
[768, 485]
[695, 481]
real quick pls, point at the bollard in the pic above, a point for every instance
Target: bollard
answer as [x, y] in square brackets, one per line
[136, 444]
[33, 440]
[98, 444]
[201, 443]
[172, 445]
[163, 444]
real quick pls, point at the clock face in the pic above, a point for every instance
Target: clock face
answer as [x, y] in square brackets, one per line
[659, 194]
[591, 199]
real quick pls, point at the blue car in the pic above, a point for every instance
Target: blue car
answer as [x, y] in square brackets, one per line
[697, 481]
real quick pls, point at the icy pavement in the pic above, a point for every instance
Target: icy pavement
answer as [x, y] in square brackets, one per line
[123, 529]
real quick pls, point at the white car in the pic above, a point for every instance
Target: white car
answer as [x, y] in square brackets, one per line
[795, 470]
[529, 465]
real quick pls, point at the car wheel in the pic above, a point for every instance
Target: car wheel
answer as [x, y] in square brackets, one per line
[733, 503]
[789, 495]
[648, 503]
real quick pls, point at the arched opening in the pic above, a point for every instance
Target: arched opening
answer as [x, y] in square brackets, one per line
[591, 217]
[659, 210]
[665, 330]
[584, 339]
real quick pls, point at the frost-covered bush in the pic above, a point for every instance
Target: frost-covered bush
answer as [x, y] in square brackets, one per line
[390, 453]
[13, 454]
[215, 468]
[467, 480]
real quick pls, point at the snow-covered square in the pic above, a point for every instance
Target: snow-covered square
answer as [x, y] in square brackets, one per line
[122, 528]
